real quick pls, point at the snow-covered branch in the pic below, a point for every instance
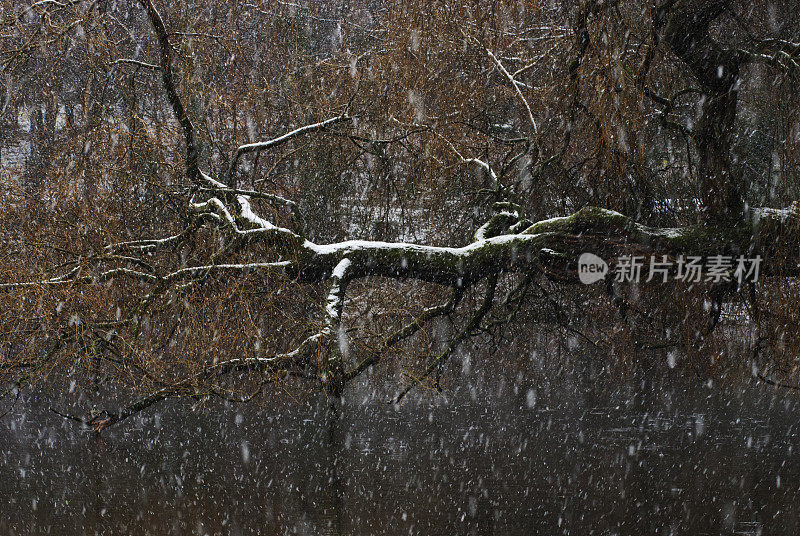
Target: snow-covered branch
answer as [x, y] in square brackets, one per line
[135, 63]
[280, 140]
[516, 85]
[293, 207]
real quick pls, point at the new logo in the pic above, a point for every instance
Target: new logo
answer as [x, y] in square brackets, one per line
[591, 268]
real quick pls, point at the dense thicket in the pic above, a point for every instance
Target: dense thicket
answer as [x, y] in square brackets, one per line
[182, 185]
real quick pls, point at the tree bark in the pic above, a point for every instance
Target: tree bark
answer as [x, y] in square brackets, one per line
[717, 71]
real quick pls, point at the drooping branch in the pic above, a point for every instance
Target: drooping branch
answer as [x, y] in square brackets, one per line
[405, 332]
[455, 342]
[191, 387]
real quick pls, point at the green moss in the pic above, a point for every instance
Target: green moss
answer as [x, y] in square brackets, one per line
[705, 239]
[587, 220]
[694, 239]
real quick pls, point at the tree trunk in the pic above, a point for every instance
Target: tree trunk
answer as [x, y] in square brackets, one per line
[717, 71]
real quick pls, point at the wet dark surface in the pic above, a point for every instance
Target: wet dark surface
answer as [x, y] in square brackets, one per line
[571, 457]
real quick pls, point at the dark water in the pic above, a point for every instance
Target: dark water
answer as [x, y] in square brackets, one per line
[564, 457]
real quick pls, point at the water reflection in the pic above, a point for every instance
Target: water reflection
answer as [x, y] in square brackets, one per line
[501, 459]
